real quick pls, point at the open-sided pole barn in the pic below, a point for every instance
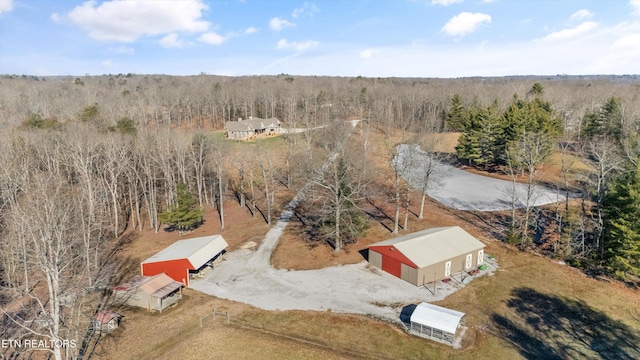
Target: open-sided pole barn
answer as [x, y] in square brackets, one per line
[184, 257]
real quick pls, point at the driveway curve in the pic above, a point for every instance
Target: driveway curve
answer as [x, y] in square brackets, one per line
[463, 190]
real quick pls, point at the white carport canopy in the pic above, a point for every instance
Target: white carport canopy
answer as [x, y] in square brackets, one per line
[437, 317]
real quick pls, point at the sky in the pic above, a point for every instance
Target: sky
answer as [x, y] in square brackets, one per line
[371, 38]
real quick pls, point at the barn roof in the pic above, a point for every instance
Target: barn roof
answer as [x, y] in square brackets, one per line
[437, 317]
[435, 245]
[198, 251]
[160, 285]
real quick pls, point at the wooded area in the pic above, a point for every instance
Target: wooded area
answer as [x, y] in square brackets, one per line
[87, 160]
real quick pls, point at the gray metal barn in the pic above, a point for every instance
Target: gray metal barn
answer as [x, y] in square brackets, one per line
[429, 255]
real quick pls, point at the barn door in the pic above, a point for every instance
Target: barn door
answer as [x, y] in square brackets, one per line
[468, 262]
[480, 256]
[447, 268]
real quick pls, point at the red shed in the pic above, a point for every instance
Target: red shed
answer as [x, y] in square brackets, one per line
[184, 257]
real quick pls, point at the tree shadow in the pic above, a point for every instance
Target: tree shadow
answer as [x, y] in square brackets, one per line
[552, 327]
[376, 212]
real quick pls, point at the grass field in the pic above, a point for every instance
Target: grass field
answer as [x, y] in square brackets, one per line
[533, 308]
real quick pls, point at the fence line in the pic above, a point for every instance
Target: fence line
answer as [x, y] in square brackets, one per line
[213, 315]
[324, 343]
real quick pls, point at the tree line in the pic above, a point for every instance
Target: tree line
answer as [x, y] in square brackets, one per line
[519, 139]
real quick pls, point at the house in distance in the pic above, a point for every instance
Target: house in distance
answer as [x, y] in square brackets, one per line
[251, 128]
[429, 255]
[185, 258]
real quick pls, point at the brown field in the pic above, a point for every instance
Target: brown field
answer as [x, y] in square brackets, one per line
[532, 307]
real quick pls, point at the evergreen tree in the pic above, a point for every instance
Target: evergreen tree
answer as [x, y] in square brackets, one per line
[606, 122]
[622, 226]
[536, 90]
[536, 117]
[90, 113]
[124, 126]
[457, 118]
[185, 216]
[477, 144]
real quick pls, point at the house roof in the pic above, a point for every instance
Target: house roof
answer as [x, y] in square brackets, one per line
[251, 124]
[432, 246]
[437, 317]
[198, 251]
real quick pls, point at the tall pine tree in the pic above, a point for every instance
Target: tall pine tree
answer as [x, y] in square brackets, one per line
[622, 226]
[185, 216]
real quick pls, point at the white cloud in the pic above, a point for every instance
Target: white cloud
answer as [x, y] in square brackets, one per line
[369, 53]
[55, 17]
[212, 38]
[278, 24]
[6, 6]
[250, 30]
[635, 4]
[581, 14]
[123, 50]
[307, 8]
[572, 32]
[629, 42]
[465, 23]
[126, 21]
[445, 2]
[108, 63]
[171, 41]
[283, 44]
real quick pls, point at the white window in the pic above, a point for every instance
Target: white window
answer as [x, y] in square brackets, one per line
[447, 268]
[480, 256]
[468, 262]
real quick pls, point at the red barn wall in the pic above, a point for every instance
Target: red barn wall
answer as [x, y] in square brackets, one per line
[175, 269]
[392, 260]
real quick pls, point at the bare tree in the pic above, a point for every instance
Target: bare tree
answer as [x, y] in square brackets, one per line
[526, 156]
[342, 220]
[46, 216]
[604, 160]
[218, 158]
[117, 153]
[428, 143]
[267, 170]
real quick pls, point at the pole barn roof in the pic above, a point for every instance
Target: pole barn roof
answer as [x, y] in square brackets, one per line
[437, 317]
[427, 247]
[198, 251]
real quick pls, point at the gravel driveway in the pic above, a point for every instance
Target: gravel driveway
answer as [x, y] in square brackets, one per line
[463, 190]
